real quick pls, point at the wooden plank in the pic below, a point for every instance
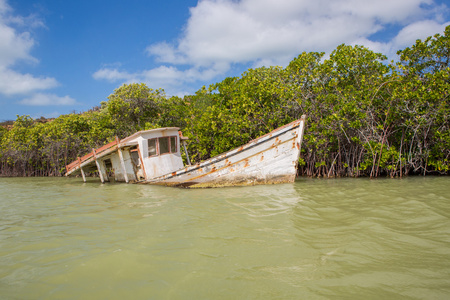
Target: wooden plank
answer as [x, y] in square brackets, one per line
[77, 163]
[83, 175]
[122, 163]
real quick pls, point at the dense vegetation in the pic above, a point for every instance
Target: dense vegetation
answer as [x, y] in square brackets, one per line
[365, 116]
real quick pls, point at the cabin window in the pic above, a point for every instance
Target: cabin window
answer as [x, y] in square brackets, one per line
[173, 144]
[162, 145]
[152, 147]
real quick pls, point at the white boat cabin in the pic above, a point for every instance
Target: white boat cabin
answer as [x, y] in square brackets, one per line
[157, 152]
[142, 156]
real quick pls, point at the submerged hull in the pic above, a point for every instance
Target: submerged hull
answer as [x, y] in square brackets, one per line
[270, 159]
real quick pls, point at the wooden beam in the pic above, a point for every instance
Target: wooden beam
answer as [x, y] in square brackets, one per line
[187, 154]
[82, 174]
[142, 162]
[101, 168]
[122, 163]
[99, 171]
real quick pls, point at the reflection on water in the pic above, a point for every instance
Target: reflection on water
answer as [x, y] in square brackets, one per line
[315, 239]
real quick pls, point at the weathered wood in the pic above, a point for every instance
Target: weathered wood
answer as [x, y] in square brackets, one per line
[101, 167]
[186, 152]
[122, 163]
[82, 174]
[100, 173]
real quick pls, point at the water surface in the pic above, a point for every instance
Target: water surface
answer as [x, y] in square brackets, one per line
[61, 238]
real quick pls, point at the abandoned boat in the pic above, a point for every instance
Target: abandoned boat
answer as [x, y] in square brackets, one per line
[154, 157]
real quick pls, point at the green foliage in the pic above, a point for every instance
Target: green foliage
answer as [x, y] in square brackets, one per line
[365, 117]
[236, 110]
[133, 107]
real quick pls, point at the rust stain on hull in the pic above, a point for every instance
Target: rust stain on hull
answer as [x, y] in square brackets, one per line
[246, 163]
[247, 181]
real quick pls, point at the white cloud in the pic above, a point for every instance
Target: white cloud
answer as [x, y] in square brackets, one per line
[384, 11]
[277, 30]
[4, 7]
[418, 30]
[406, 37]
[15, 46]
[165, 53]
[14, 83]
[223, 33]
[169, 78]
[112, 75]
[39, 99]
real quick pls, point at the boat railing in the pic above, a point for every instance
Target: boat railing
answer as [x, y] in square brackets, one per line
[76, 163]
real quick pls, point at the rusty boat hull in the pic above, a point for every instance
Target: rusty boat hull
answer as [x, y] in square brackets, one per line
[269, 159]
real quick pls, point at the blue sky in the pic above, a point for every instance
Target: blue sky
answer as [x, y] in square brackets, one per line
[57, 57]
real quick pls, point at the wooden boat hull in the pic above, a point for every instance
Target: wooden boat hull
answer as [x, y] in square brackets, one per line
[270, 159]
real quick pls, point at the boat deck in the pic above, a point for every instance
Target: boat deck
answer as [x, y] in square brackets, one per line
[90, 157]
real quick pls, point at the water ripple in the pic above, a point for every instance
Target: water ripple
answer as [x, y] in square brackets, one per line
[315, 239]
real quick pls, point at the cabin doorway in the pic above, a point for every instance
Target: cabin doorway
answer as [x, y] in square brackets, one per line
[137, 163]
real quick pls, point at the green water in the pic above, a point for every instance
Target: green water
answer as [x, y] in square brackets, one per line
[315, 239]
